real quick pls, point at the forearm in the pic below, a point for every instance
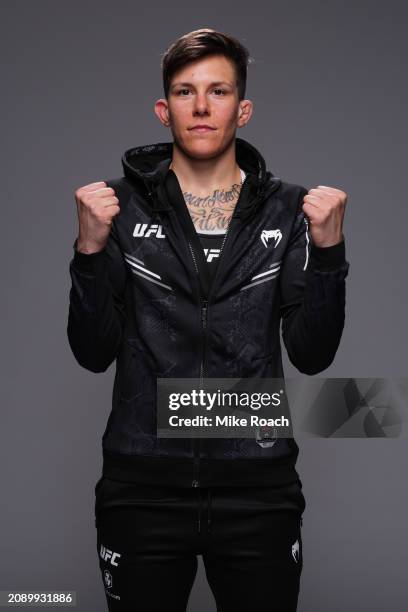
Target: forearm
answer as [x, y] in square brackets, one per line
[95, 319]
[312, 330]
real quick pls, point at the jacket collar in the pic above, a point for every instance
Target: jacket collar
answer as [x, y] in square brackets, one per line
[149, 164]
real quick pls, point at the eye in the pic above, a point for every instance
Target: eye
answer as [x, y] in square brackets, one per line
[221, 90]
[181, 90]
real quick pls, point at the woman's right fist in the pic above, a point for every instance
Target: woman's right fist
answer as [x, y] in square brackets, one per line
[96, 207]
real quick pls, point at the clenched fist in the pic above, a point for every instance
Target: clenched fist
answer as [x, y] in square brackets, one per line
[325, 208]
[96, 205]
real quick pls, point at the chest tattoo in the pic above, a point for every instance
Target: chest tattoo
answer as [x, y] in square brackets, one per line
[213, 212]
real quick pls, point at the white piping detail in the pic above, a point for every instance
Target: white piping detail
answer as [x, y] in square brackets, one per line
[151, 279]
[307, 244]
[132, 263]
[134, 258]
[259, 281]
[267, 272]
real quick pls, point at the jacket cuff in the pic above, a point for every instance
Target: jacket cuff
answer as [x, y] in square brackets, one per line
[328, 258]
[87, 262]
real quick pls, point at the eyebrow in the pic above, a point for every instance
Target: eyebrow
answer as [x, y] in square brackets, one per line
[186, 84]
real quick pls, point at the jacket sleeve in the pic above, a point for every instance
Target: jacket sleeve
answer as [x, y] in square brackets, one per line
[96, 305]
[312, 286]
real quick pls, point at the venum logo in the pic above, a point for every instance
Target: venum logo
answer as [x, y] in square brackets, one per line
[276, 234]
[109, 555]
[107, 578]
[144, 230]
[295, 551]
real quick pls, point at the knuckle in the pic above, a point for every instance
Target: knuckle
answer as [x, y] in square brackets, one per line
[90, 200]
[80, 193]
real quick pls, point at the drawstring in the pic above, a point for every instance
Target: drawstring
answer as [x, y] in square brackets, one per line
[200, 509]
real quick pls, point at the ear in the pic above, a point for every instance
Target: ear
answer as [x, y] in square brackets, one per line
[244, 112]
[161, 108]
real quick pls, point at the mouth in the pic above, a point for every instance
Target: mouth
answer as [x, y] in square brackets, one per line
[201, 129]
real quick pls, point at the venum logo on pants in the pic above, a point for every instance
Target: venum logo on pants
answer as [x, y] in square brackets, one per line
[107, 578]
[295, 551]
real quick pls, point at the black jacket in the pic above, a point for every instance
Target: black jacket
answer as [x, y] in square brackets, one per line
[145, 301]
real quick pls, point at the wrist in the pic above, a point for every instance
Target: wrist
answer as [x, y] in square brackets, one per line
[87, 248]
[328, 242]
[88, 262]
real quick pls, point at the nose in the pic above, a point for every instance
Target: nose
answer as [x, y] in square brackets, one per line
[201, 106]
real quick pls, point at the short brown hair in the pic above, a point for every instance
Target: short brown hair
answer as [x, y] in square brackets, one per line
[200, 43]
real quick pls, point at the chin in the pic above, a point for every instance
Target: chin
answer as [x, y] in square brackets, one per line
[201, 148]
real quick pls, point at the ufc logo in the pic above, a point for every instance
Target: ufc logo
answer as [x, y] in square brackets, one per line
[211, 254]
[107, 554]
[140, 231]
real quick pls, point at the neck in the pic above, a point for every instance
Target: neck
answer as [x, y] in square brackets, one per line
[203, 176]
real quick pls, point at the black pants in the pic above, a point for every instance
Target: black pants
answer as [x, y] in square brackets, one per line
[148, 539]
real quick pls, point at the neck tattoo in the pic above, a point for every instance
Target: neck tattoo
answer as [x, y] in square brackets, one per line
[213, 212]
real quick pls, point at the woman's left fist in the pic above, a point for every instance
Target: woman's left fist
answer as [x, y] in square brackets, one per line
[325, 208]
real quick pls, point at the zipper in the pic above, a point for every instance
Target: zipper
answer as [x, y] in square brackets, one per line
[204, 304]
[202, 374]
[204, 313]
[196, 442]
[204, 307]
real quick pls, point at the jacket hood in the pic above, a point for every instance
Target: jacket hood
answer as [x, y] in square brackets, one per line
[149, 164]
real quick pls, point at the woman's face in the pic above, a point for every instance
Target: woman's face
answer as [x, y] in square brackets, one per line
[204, 92]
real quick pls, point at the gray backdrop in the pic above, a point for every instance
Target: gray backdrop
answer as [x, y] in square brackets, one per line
[78, 88]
